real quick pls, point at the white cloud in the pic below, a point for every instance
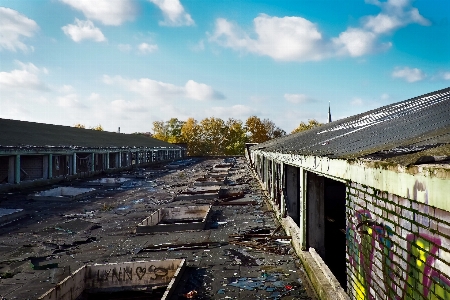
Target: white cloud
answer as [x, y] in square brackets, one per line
[94, 97]
[385, 96]
[174, 13]
[145, 48]
[157, 90]
[297, 98]
[298, 39]
[288, 38]
[446, 75]
[355, 42]
[124, 47]
[120, 106]
[83, 30]
[66, 88]
[109, 12]
[70, 101]
[357, 102]
[25, 78]
[394, 15]
[236, 111]
[13, 27]
[410, 75]
[201, 91]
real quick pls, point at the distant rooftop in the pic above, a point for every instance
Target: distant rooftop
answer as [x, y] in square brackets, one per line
[15, 133]
[402, 132]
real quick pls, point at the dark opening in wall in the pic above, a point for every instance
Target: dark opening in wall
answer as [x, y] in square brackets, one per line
[335, 234]
[326, 223]
[292, 192]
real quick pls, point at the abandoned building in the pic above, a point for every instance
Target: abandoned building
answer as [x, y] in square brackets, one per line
[35, 153]
[367, 200]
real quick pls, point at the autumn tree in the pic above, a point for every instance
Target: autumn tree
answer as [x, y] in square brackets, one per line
[273, 131]
[212, 135]
[99, 127]
[305, 126]
[79, 125]
[169, 131]
[256, 130]
[191, 134]
[235, 137]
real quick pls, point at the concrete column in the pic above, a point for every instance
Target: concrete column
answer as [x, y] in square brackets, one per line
[74, 164]
[145, 157]
[17, 169]
[50, 166]
[107, 161]
[117, 164]
[11, 170]
[92, 162]
[45, 167]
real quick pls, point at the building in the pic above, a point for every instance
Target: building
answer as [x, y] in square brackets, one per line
[367, 200]
[35, 153]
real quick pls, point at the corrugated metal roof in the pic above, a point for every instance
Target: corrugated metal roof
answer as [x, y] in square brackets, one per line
[15, 133]
[401, 128]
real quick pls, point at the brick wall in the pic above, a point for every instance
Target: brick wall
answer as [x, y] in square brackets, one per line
[400, 250]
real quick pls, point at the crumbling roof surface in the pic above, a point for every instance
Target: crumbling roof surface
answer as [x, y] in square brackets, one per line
[28, 134]
[399, 129]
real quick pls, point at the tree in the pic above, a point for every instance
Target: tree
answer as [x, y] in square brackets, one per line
[98, 128]
[305, 126]
[79, 125]
[256, 129]
[235, 137]
[191, 134]
[169, 131]
[213, 134]
[273, 131]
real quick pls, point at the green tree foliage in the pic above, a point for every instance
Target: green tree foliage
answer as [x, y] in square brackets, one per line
[305, 126]
[235, 137]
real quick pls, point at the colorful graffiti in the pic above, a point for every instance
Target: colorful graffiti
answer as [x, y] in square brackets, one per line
[421, 280]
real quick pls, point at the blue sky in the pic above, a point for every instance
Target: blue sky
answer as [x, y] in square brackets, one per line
[131, 62]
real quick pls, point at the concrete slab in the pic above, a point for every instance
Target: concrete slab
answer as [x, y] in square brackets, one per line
[116, 277]
[63, 193]
[175, 219]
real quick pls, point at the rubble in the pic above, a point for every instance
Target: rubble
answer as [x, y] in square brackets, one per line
[236, 250]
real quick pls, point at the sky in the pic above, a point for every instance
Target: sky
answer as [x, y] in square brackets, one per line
[128, 63]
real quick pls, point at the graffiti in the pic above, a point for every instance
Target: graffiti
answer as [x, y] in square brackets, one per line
[420, 281]
[124, 274]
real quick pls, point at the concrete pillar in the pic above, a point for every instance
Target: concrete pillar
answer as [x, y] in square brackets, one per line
[107, 161]
[17, 169]
[45, 167]
[74, 164]
[92, 162]
[117, 165]
[11, 170]
[50, 166]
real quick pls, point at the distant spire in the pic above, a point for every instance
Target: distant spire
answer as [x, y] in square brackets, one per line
[329, 113]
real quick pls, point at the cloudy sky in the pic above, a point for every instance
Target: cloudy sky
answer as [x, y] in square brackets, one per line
[127, 63]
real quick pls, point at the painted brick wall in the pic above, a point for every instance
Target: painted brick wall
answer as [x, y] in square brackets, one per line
[397, 248]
